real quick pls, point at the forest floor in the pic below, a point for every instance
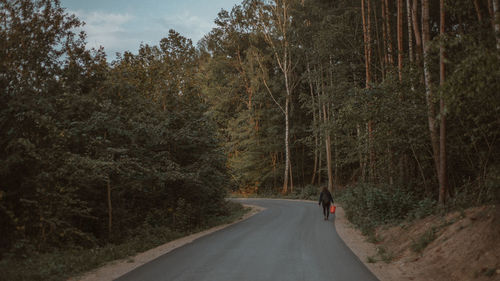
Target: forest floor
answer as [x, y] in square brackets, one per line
[458, 246]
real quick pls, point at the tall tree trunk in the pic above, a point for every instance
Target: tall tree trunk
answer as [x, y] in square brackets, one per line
[410, 39]
[496, 20]
[336, 179]
[491, 13]
[478, 11]
[362, 162]
[400, 39]
[384, 35]
[315, 121]
[328, 150]
[431, 111]
[287, 147]
[283, 56]
[366, 39]
[110, 208]
[379, 48]
[443, 179]
[319, 85]
[389, 35]
[416, 31]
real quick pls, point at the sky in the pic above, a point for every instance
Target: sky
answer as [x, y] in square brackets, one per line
[122, 25]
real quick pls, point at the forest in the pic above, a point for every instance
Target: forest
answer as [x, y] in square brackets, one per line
[397, 100]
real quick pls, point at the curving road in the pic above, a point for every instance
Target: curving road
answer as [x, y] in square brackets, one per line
[289, 241]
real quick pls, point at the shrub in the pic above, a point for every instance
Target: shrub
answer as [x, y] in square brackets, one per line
[368, 206]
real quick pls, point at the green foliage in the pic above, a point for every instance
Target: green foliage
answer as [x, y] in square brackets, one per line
[370, 206]
[91, 151]
[65, 263]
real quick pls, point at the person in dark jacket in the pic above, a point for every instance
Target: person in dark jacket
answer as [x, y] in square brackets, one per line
[325, 198]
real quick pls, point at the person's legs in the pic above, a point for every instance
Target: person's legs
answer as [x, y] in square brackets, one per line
[327, 210]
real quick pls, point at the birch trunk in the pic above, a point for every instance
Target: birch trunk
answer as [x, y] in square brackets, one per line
[315, 121]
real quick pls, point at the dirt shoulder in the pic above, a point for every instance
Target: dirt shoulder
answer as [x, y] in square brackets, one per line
[357, 242]
[459, 246]
[118, 268]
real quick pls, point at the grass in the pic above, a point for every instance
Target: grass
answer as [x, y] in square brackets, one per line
[382, 254]
[421, 243]
[385, 255]
[371, 259]
[65, 263]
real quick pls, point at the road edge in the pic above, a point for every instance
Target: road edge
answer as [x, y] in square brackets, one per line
[115, 269]
[353, 238]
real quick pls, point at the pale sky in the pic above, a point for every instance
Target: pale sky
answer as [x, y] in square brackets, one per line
[122, 25]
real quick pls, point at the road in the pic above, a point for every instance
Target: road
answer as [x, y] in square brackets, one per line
[289, 240]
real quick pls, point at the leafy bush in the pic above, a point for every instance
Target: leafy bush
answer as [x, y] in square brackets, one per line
[368, 206]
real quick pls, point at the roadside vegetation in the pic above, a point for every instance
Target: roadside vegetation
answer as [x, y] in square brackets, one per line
[397, 117]
[64, 263]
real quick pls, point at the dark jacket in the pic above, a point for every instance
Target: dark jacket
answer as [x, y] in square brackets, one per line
[325, 197]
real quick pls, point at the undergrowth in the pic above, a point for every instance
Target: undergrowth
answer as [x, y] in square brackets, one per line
[369, 206]
[61, 264]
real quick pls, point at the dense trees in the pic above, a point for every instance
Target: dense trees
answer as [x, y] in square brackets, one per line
[278, 96]
[362, 109]
[90, 151]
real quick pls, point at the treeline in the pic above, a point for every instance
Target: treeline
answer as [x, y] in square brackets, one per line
[401, 95]
[93, 153]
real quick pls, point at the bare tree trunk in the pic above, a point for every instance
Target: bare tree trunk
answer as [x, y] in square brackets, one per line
[379, 51]
[336, 180]
[389, 35]
[384, 35]
[362, 162]
[410, 40]
[287, 147]
[315, 122]
[491, 13]
[496, 20]
[319, 84]
[110, 208]
[400, 39]
[366, 37]
[443, 179]
[328, 151]
[282, 20]
[478, 11]
[416, 31]
[431, 111]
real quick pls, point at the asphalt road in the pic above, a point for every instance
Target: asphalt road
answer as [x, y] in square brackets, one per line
[289, 241]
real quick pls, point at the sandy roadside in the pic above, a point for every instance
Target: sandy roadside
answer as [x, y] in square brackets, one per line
[357, 242]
